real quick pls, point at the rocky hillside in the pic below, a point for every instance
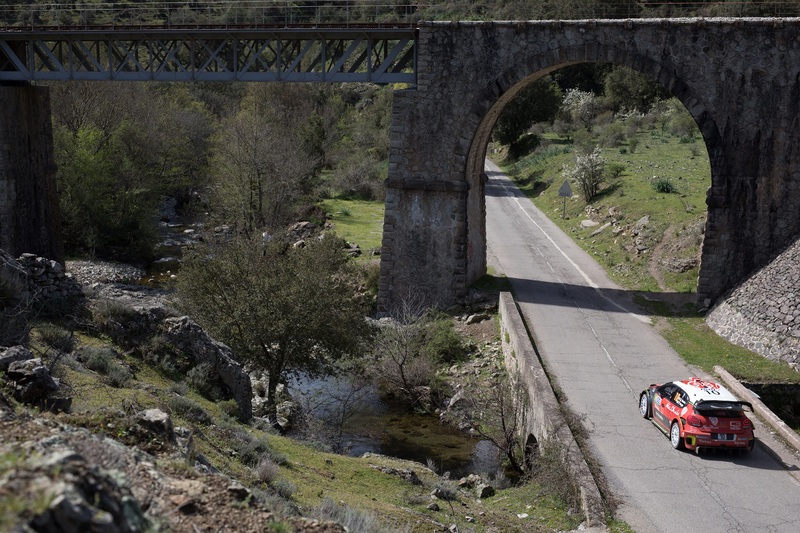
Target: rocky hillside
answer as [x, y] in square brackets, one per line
[118, 414]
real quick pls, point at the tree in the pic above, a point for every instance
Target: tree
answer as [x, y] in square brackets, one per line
[627, 89]
[260, 171]
[580, 106]
[538, 102]
[588, 173]
[495, 411]
[283, 310]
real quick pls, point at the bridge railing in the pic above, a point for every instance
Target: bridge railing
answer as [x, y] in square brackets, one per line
[205, 13]
[15, 14]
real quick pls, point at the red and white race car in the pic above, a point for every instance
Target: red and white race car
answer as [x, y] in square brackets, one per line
[697, 414]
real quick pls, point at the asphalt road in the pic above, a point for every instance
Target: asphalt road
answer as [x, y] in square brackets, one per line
[602, 352]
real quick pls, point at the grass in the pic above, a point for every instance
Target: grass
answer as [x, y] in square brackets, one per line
[357, 221]
[659, 157]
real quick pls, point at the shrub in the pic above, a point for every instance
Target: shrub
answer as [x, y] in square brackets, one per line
[188, 409]
[103, 360]
[443, 343]
[57, 337]
[664, 185]
[267, 471]
[353, 520]
[108, 311]
[203, 379]
[284, 488]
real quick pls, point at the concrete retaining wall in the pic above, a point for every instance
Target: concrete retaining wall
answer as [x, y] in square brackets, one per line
[543, 417]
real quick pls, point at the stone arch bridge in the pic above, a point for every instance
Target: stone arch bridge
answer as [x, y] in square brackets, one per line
[739, 78]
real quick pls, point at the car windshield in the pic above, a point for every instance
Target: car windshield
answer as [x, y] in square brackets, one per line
[720, 409]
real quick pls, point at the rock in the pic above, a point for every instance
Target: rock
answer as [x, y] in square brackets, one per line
[586, 224]
[601, 229]
[476, 318]
[157, 422]
[32, 381]
[187, 336]
[433, 507]
[12, 354]
[484, 491]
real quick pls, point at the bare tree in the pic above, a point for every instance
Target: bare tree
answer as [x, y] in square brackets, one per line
[495, 411]
[402, 365]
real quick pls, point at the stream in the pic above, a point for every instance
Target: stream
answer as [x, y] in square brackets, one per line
[373, 424]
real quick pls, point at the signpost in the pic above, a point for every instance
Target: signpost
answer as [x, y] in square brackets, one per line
[566, 192]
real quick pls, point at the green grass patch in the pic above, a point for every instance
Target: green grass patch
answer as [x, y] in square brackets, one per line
[700, 346]
[357, 221]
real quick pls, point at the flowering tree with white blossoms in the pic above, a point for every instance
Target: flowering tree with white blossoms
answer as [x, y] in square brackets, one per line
[588, 173]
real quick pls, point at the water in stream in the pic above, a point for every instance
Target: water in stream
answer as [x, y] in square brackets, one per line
[381, 427]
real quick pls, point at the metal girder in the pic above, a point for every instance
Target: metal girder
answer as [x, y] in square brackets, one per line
[288, 54]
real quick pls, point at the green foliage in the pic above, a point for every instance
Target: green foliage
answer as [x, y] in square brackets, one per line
[627, 89]
[188, 409]
[204, 380]
[443, 343]
[537, 102]
[285, 310]
[664, 185]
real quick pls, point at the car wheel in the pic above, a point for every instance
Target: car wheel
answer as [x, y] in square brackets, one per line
[644, 405]
[675, 436]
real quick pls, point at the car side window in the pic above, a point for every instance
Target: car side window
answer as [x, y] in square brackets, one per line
[681, 398]
[667, 391]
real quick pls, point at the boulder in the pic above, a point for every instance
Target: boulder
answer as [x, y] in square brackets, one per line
[484, 491]
[187, 336]
[157, 422]
[32, 381]
[12, 354]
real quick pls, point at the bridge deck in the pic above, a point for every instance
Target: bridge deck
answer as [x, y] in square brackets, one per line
[368, 53]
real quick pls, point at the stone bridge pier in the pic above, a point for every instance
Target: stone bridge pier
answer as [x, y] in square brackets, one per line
[739, 79]
[29, 219]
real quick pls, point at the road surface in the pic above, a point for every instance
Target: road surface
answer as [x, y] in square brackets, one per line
[602, 351]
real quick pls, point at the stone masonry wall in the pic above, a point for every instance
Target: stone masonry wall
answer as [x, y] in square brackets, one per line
[763, 313]
[29, 220]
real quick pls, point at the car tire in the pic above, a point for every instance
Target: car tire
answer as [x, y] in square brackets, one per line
[644, 405]
[675, 436]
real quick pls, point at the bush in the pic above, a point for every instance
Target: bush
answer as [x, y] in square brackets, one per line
[57, 337]
[443, 343]
[285, 489]
[353, 520]
[103, 360]
[188, 409]
[13, 307]
[204, 380]
[664, 185]
[267, 471]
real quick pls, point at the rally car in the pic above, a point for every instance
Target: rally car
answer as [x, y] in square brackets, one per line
[697, 414]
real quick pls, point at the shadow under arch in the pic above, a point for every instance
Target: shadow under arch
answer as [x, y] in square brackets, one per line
[490, 102]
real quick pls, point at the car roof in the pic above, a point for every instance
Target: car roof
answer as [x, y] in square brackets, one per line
[698, 390]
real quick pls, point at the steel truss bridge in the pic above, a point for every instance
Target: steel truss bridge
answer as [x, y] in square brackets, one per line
[370, 53]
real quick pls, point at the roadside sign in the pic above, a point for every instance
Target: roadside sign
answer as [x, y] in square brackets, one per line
[566, 192]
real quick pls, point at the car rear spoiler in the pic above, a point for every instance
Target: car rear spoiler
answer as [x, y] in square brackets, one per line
[699, 406]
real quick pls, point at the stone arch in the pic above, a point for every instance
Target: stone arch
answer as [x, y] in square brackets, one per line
[489, 103]
[531, 451]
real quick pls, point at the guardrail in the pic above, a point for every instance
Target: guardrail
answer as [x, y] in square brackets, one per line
[76, 15]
